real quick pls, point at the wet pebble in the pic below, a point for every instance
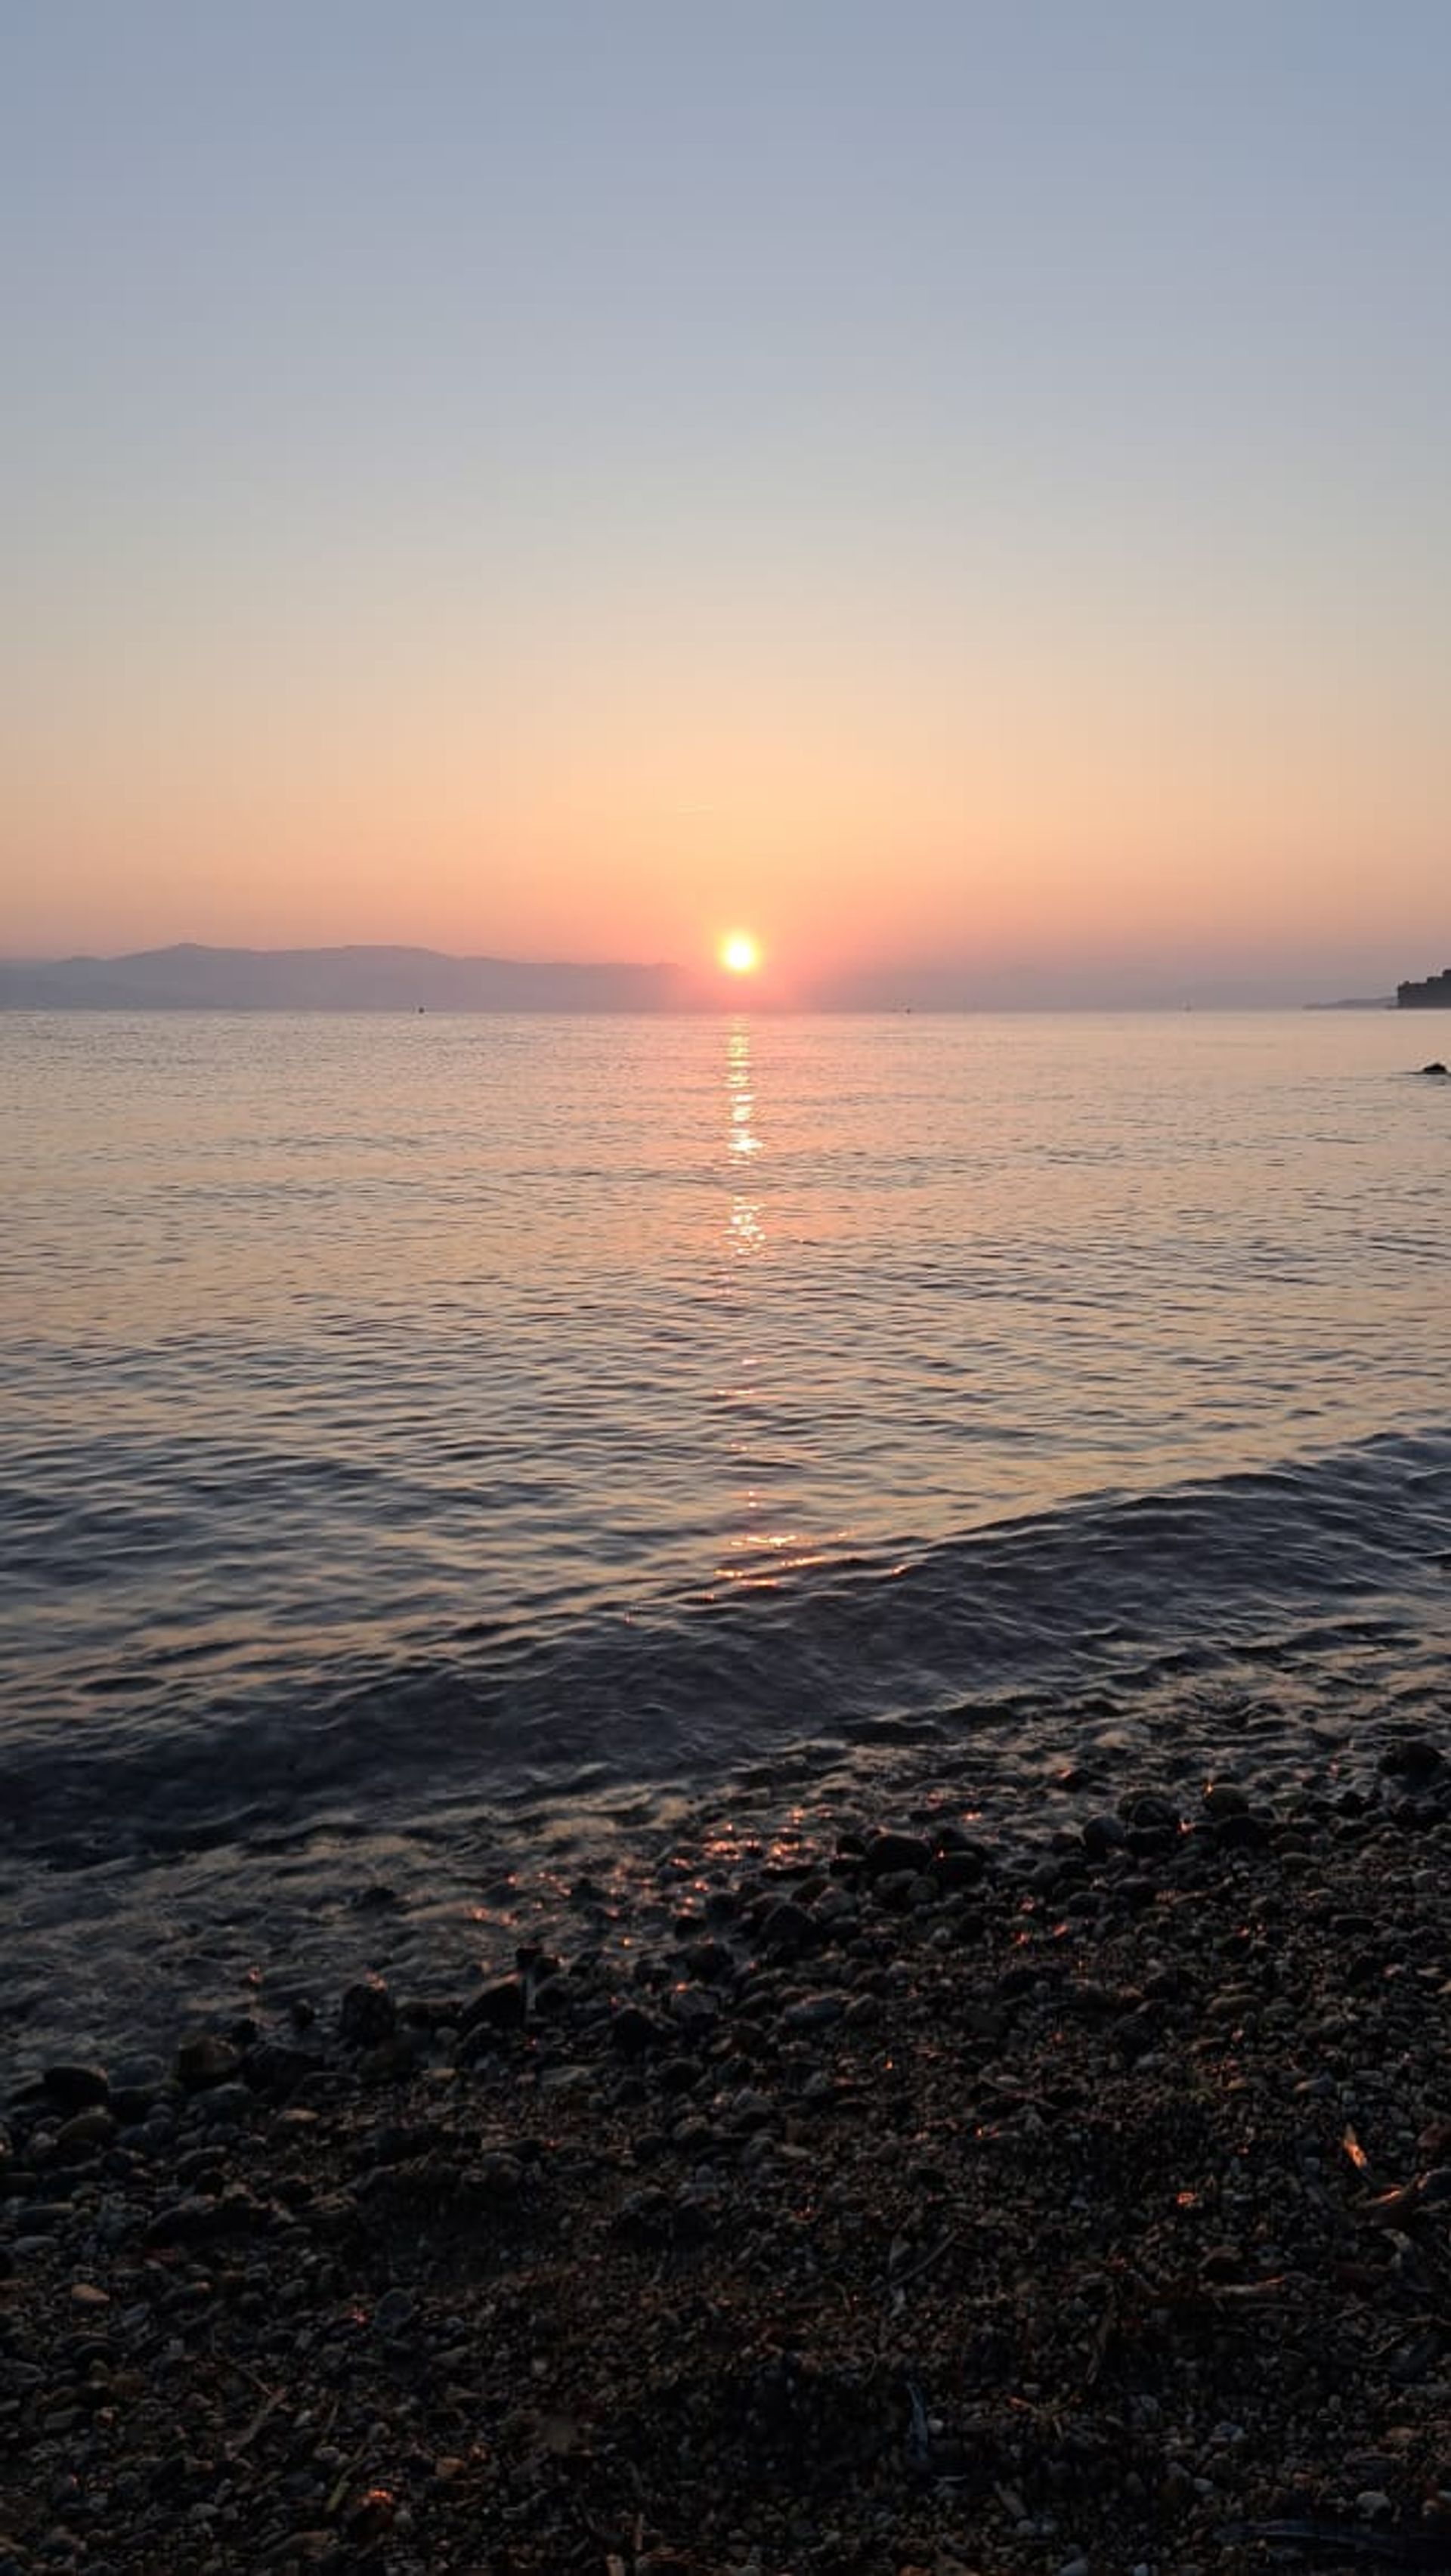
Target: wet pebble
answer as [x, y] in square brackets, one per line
[368, 2016]
[75, 2088]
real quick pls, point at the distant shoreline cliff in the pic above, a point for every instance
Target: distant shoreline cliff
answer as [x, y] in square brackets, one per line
[190, 978]
[1433, 995]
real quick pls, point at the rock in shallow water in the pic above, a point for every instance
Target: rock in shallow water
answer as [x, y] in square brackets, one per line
[206, 2059]
[75, 2088]
[787, 1929]
[888, 1853]
[1103, 1835]
[501, 2006]
[368, 2015]
[1412, 1756]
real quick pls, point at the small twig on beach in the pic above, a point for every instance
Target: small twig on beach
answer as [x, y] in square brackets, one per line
[1103, 2335]
[1411, 2549]
[248, 2436]
[920, 2439]
[344, 2481]
[897, 2280]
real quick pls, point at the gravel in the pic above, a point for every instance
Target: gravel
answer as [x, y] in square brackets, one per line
[902, 2206]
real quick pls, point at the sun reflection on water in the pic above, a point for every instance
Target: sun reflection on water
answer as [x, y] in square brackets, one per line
[755, 1556]
[746, 1230]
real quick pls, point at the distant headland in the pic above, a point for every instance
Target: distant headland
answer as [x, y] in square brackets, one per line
[1433, 995]
[192, 978]
[189, 976]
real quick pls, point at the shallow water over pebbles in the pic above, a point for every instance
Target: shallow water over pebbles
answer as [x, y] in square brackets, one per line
[449, 1459]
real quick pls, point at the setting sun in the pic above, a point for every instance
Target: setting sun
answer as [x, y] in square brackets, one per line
[740, 954]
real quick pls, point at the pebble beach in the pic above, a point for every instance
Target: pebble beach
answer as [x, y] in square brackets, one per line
[907, 2203]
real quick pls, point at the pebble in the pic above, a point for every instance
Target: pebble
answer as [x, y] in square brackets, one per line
[75, 2088]
[633, 2031]
[368, 2015]
[205, 2059]
[787, 1928]
[1103, 1835]
[904, 2107]
[890, 1855]
[500, 2006]
[394, 2313]
[814, 2012]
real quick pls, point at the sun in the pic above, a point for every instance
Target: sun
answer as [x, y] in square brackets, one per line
[739, 953]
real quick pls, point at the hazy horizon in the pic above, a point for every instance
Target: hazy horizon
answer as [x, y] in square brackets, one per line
[403, 976]
[955, 491]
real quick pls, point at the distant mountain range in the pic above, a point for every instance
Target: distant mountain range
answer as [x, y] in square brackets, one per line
[193, 978]
[190, 978]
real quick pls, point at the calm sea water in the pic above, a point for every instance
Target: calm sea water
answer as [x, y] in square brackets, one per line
[438, 1451]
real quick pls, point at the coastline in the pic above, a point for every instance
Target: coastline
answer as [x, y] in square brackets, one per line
[908, 2204]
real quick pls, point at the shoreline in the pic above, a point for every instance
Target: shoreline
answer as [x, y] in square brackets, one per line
[115, 1957]
[917, 2204]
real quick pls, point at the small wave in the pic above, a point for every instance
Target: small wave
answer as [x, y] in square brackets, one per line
[1338, 1556]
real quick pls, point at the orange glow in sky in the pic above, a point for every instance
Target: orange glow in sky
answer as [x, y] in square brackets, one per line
[1012, 559]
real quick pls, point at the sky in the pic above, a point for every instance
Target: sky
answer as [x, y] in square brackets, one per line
[943, 485]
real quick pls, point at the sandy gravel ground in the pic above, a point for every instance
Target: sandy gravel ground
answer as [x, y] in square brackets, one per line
[909, 2207]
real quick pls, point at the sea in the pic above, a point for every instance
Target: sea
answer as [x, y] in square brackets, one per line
[458, 1471]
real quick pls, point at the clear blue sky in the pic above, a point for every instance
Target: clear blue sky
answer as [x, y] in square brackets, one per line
[965, 482]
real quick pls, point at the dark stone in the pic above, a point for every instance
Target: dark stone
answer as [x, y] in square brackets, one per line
[83, 2134]
[389, 2060]
[632, 2031]
[1436, 1067]
[369, 2015]
[947, 1836]
[1103, 1835]
[1151, 1813]
[499, 2007]
[901, 1891]
[1150, 1842]
[1136, 1892]
[1412, 1757]
[276, 2070]
[1141, 2030]
[132, 2104]
[643, 2217]
[75, 2088]
[679, 2075]
[961, 1865]
[226, 2105]
[204, 2060]
[786, 1928]
[889, 1853]
[202, 2168]
[199, 2219]
[1224, 1798]
[1239, 1832]
[394, 2313]
[709, 1960]
[813, 2012]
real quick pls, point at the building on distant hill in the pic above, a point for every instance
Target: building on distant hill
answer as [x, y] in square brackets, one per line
[1433, 995]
